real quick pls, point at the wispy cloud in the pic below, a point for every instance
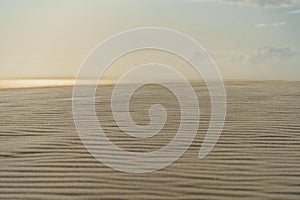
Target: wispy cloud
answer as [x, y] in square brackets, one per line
[271, 54]
[268, 54]
[261, 3]
[295, 12]
[275, 24]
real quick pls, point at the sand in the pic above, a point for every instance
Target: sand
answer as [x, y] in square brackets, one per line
[256, 157]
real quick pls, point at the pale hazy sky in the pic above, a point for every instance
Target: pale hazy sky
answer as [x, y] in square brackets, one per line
[256, 39]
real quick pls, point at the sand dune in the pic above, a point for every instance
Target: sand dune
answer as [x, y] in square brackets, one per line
[256, 157]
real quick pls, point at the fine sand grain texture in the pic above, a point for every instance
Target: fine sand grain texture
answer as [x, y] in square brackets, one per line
[256, 157]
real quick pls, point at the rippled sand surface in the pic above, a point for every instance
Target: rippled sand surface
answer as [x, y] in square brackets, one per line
[256, 157]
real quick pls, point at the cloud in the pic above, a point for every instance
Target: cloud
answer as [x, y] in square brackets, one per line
[262, 55]
[275, 24]
[295, 12]
[228, 56]
[263, 63]
[271, 54]
[261, 3]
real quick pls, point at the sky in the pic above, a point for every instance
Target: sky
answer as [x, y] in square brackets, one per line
[248, 39]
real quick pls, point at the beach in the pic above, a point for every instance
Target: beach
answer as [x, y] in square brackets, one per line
[256, 157]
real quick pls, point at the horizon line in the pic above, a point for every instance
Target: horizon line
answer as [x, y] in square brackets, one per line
[19, 83]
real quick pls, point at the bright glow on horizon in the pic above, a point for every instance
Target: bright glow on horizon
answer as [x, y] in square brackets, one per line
[33, 83]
